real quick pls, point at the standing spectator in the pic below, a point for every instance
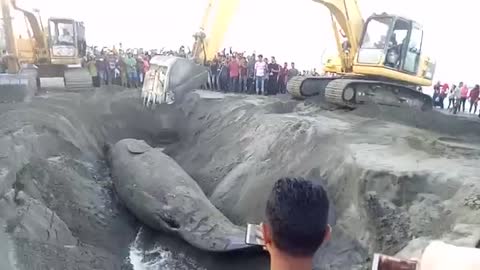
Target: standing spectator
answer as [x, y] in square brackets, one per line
[443, 94]
[4, 62]
[292, 72]
[282, 78]
[111, 65]
[436, 96]
[451, 97]
[122, 68]
[102, 69]
[267, 76]
[146, 65]
[131, 68]
[223, 75]
[458, 96]
[214, 68]
[234, 70]
[92, 69]
[140, 69]
[251, 73]
[315, 73]
[243, 74]
[260, 68]
[274, 69]
[474, 94]
[464, 96]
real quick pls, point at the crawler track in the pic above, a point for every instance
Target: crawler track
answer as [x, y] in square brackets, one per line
[352, 92]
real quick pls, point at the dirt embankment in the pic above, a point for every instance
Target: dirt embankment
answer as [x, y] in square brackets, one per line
[56, 200]
[392, 186]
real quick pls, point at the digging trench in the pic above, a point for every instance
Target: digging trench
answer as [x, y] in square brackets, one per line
[394, 185]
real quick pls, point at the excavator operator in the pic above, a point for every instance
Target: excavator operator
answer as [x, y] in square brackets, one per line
[393, 53]
[66, 37]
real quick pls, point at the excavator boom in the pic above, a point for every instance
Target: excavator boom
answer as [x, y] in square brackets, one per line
[38, 32]
[215, 23]
[346, 14]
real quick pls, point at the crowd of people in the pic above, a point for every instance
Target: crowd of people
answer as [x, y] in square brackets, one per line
[458, 96]
[124, 68]
[228, 71]
[250, 74]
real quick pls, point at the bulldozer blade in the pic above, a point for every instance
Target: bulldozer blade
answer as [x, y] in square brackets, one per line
[17, 87]
[169, 78]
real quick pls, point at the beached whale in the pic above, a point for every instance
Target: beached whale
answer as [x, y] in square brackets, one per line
[163, 196]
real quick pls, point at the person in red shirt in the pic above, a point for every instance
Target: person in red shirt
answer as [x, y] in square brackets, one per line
[443, 93]
[234, 70]
[473, 97]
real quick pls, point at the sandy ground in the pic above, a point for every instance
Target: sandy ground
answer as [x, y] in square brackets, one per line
[390, 178]
[56, 199]
[396, 179]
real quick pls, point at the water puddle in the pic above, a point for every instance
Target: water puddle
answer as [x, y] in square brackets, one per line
[148, 256]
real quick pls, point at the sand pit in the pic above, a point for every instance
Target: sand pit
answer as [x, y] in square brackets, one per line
[394, 183]
[389, 182]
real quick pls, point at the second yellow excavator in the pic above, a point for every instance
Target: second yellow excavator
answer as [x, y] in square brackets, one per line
[54, 50]
[379, 59]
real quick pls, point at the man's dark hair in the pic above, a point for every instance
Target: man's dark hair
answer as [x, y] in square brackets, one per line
[478, 244]
[297, 213]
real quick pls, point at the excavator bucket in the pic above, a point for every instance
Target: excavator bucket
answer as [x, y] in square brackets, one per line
[169, 78]
[18, 87]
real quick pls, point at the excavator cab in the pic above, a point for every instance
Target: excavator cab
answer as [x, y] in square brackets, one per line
[391, 46]
[67, 50]
[66, 41]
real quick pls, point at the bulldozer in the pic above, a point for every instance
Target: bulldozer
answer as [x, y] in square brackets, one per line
[379, 60]
[55, 50]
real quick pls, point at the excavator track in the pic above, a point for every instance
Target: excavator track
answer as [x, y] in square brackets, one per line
[77, 79]
[351, 92]
[301, 87]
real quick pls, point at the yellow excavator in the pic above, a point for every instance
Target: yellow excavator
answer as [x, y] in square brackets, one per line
[379, 60]
[55, 50]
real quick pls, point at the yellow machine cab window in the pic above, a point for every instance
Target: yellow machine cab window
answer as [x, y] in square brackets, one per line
[392, 42]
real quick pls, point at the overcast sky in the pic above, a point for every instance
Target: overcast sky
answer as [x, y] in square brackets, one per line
[291, 30]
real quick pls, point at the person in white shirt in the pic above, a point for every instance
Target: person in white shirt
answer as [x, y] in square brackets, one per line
[451, 97]
[260, 68]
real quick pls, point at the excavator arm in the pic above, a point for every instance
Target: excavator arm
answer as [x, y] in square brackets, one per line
[35, 25]
[219, 14]
[12, 63]
[346, 14]
[214, 25]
